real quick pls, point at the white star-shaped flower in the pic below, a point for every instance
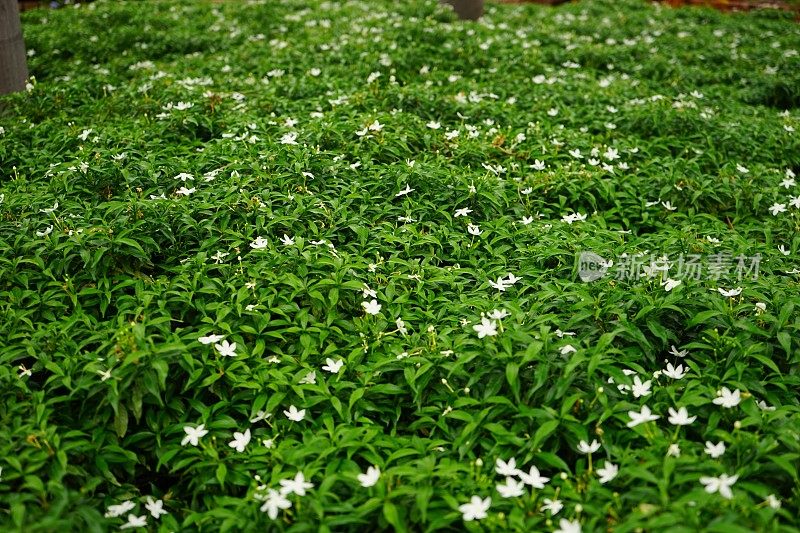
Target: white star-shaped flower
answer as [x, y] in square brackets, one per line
[645, 415]
[240, 440]
[372, 307]
[505, 468]
[226, 349]
[586, 448]
[680, 417]
[333, 366]
[294, 415]
[728, 399]
[298, 485]
[608, 472]
[715, 450]
[274, 502]
[193, 435]
[533, 478]
[511, 489]
[134, 521]
[487, 328]
[721, 484]
[475, 509]
[370, 478]
[155, 507]
[210, 339]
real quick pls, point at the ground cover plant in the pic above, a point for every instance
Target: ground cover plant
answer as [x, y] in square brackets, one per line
[324, 266]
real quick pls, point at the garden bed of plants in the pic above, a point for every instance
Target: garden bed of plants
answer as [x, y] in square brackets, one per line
[357, 266]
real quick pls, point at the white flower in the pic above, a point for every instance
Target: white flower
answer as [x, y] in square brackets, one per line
[574, 217]
[608, 472]
[475, 509]
[210, 339]
[155, 507]
[568, 526]
[487, 328]
[372, 307]
[644, 416]
[773, 502]
[370, 477]
[715, 450]
[135, 521]
[46, 232]
[742, 169]
[675, 372]
[240, 440]
[680, 417]
[294, 415]
[119, 509]
[639, 388]
[586, 448]
[333, 366]
[259, 243]
[274, 502]
[183, 176]
[526, 220]
[728, 399]
[183, 191]
[472, 229]
[298, 485]
[404, 191]
[674, 450]
[511, 489]
[764, 407]
[533, 478]
[286, 240]
[554, 506]
[226, 349]
[289, 138]
[464, 211]
[433, 125]
[721, 484]
[401, 326]
[670, 284]
[506, 468]
[260, 415]
[309, 379]
[567, 349]
[49, 209]
[777, 208]
[501, 284]
[731, 293]
[193, 435]
[674, 351]
[498, 314]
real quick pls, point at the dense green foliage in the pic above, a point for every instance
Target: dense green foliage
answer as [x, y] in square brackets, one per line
[262, 171]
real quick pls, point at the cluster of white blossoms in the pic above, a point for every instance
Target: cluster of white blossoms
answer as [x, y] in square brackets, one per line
[154, 507]
[789, 182]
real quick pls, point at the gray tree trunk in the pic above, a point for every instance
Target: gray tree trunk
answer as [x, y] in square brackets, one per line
[466, 9]
[13, 65]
